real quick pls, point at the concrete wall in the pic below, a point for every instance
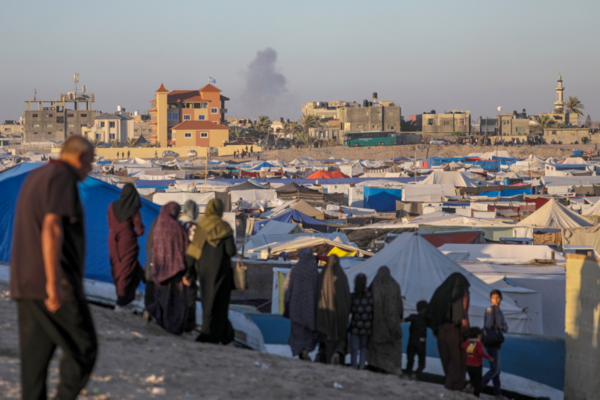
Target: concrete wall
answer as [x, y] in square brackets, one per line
[364, 119]
[149, 152]
[40, 125]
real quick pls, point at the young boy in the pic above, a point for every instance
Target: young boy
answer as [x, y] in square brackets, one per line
[417, 340]
[475, 356]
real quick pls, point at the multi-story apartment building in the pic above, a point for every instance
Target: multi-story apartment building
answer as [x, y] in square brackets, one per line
[56, 120]
[173, 108]
[448, 122]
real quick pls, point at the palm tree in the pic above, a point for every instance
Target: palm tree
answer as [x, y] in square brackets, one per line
[96, 142]
[311, 121]
[574, 106]
[263, 125]
[236, 131]
[544, 122]
[132, 141]
[304, 137]
[114, 143]
[287, 128]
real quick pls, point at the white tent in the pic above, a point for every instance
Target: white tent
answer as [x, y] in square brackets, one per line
[554, 215]
[280, 228]
[201, 199]
[420, 269]
[593, 210]
[496, 153]
[457, 178]
[416, 192]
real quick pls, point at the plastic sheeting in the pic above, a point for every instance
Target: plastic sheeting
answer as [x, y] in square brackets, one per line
[382, 199]
[253, 195]
[457, 178]
[95, 197]
[420, 269]
[287, 216]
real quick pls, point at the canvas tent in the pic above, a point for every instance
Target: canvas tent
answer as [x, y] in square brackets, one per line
[293, 191]
[95, 196]
[554, 215]
[457, 178]
[420, 269]
[307, 209]
[593, 210]
[433, 192]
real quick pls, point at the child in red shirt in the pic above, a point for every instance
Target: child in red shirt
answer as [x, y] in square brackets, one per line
[475, 356]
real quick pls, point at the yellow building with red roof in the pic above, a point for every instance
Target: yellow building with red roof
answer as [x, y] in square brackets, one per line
[204, 107]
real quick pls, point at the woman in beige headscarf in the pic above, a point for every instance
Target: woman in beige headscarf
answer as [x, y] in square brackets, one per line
[211, 251]
[333, 310]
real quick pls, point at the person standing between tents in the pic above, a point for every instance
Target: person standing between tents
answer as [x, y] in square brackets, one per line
[494, 321]
[300, 289]
[448, 317]
[361, 324]
[125, 225]
[170, 242]
[187, 220]
[333, 310]
[47, 262]
[384, 349]
[210, 253]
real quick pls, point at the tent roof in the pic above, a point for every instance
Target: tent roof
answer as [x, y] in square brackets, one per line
[248, 185]
[458, 178]
[305, 208]
[593, 210]
[554, 215]
[292, 187]
[280, 228]
[320, 175]
[420, 269]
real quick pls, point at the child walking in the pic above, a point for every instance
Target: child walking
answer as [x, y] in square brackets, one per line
[475, 356]
[417, 340]
[362, 321]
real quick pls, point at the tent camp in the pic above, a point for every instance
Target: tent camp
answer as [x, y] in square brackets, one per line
[593, 210]
[95, 197]
[287, 216]
[457, 178]
[554, 215]
[420, 269]
[307, 209]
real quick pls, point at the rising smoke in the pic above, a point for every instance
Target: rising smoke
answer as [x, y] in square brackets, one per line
[265, 92]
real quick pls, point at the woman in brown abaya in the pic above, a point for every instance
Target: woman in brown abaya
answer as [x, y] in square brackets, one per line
[333, 310]
[125, 225]
[384, 348]
[448, 317]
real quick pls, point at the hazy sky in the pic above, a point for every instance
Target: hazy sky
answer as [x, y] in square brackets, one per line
[269, 57]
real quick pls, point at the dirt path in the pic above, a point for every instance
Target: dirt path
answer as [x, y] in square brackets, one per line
[143, 362]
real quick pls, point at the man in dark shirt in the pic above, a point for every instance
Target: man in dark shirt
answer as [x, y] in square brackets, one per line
[47, 263]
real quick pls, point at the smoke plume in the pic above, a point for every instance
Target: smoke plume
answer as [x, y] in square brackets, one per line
[265, 92]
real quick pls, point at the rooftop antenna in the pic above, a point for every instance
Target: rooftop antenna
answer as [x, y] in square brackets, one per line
[34, 94]
[75, 81]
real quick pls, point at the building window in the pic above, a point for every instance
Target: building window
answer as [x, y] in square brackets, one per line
[101, 124]
[201, 117]
[505, 122]
[36, 125]
[172, 116]
[70, 115]
[49, 133]
[430, 121]
[71, 126]
[520, 130]
[204, 134]
[214, 110]
[83, 115]
[196, 105]
[446, 123]
[48, 115]
[34, 116]
[461, 121]
[48, 125]
[186, 117]
[203, 105]
[111, 124]
[112, 136]
[187, 135]
[35, 133]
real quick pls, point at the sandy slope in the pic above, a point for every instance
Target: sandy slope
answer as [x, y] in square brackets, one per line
[139, 362]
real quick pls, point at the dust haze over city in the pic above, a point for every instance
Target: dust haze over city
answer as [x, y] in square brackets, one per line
[270, 57]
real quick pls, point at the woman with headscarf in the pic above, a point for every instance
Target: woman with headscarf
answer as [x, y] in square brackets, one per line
[384, 348]
[187, 219]
[448, 317]
[301, 303]
[211, 253]
[333, 310]
[170, 243]
[125, 225]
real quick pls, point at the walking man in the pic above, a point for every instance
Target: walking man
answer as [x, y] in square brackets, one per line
[47, 263]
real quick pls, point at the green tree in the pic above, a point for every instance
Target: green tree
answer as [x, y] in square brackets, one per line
[311, 121]
[544, 122]
[236, 131]
[132, 141]
[574, 106]
[96, 142]
[304, 137]
[114, 143]
[588, 121]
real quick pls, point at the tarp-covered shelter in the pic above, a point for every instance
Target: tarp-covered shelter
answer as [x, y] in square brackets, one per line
[381, 199]
[457, 178]
[593, 210]
[293, 191]
[307, 209]
[420, 269]
[95, 197]
[555, 215]
[288, 216]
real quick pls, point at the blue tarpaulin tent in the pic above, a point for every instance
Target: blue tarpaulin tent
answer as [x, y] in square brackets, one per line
[382, 199]
[262, 165]
[95, 197]
[288, 216]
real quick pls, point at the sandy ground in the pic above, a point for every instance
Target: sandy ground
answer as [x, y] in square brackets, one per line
[389, 152]
[143, 362]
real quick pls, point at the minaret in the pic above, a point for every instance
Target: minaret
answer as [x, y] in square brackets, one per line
[559, 103]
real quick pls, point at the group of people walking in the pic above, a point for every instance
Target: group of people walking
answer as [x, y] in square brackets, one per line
[325, 315]
[181, 253]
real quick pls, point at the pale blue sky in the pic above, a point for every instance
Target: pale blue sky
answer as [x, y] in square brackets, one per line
[437, 54]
